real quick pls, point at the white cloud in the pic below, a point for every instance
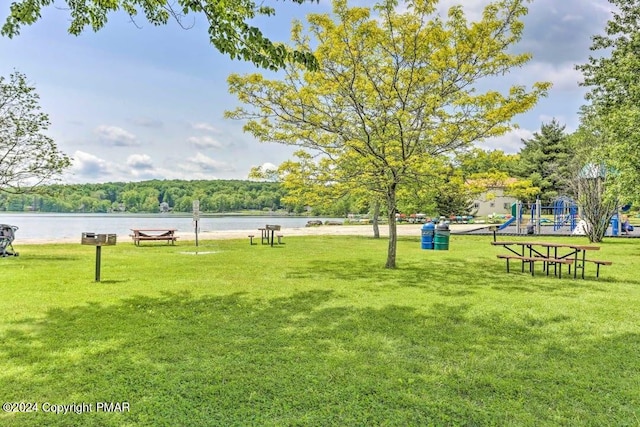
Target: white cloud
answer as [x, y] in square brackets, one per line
[268, 167]
[86, 165]
[202, 163]
[204, 127]
[564, 76]
[510, 142]
[140, 162]
[116, 136]
[204, 142]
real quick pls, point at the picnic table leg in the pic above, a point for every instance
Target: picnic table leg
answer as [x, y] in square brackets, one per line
[272, 232]
[560, 267]
[532, 267]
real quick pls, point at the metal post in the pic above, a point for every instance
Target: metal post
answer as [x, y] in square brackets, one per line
[98, 253]
[538, 216]
[196, 217]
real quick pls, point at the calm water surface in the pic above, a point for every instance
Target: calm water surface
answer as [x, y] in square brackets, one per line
[62, 226]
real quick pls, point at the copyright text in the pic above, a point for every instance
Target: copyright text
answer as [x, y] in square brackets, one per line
[69, 408]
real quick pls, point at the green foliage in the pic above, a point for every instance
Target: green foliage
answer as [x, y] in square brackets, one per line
[28, 157]
[313, 333]
[478, 161]
[545, 160]
[613, 79]
[146, 196]
[452, 195]
[609, 125]
[615, 96]
[392, 90]
[229, 24]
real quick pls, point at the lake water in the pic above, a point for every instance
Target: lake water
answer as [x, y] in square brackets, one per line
[65, 226]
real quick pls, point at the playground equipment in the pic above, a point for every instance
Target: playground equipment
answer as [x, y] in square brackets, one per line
[564, 210]
[618, 226]
[526, 218]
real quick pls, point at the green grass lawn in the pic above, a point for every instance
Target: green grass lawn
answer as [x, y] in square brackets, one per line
[317, 332]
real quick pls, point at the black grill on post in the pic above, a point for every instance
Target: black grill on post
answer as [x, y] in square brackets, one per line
[273, 229]
[98, 240]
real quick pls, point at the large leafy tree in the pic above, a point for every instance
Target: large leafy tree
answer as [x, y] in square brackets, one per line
[230, 30]
[544, 160]
[28, 157]
[613, 79]
[392, 91]
[611, 120]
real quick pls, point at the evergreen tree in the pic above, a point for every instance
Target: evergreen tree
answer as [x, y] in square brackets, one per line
[545, 161]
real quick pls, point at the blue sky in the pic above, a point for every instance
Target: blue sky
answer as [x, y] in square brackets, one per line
[130, 103]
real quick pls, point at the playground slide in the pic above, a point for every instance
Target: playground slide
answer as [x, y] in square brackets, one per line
[507, 223]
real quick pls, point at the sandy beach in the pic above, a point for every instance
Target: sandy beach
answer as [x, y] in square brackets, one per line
[331, 230]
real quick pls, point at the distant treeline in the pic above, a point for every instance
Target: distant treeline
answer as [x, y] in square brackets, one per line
[151, 196]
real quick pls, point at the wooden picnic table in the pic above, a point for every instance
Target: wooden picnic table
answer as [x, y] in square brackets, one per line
[264, 231]
[551, 254]
[150, 234]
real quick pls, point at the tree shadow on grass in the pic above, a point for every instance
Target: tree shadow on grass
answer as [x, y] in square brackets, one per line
[308, 360]
[447, 276]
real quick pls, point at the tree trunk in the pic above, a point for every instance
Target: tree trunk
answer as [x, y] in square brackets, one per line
[393, 232]
[376, 217]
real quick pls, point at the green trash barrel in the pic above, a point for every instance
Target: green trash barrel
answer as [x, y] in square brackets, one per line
[441, 238]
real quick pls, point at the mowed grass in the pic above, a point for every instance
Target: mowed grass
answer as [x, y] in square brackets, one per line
[316, 332]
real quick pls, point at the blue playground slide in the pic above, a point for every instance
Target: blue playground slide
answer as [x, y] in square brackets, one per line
[507, 223]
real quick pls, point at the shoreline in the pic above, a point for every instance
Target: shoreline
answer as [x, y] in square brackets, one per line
[322, 230]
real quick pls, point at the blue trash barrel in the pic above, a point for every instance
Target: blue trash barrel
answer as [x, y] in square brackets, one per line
[427, 235]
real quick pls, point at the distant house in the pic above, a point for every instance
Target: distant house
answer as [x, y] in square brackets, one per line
[493, 200]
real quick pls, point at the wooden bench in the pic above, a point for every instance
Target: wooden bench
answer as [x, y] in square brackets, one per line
[149, 234]
[531, 260]
[251, 236]
[598, 263]
[280, 236]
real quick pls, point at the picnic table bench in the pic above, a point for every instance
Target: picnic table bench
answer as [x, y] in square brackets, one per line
[151, 234]
[550, 254]
[531, 260]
